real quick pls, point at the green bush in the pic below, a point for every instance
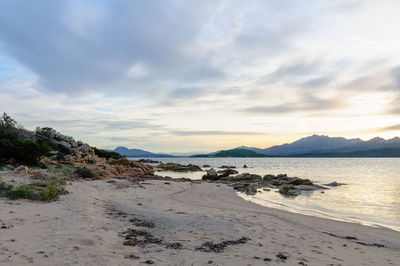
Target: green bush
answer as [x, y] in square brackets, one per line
[36, 191]
[84, 172]
[49, 193]
[60, 156]
[21, 192]
[107, 154]
[23, 151]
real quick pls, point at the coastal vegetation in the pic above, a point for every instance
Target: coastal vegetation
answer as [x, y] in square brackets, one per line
[48, 189]
[21, 146]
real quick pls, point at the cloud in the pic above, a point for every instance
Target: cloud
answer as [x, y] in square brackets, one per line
[215, 133]
[294, 69]
[318, 82]
[393, 127]
[75, 46]
[306, 103]
[142, 71]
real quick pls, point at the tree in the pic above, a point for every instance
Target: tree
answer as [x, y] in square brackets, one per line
[7, 125]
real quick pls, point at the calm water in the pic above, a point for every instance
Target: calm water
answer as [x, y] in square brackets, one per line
[371, 195]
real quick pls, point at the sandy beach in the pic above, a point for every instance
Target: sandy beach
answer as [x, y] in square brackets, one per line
[89, 226]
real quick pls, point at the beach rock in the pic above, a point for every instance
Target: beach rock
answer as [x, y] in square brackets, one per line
[179, 167]
[84, 149]
[206, 165]
[244, 166]
[289, 191]
[298, 181]
[227, 172]
[64, 146]
[211, 175]
[281, 176]
[244, 177]
[334, 184]
[21, 169]
[147, 161]
[227, 166]
[308, 187]
[73, 144]
[53, 153]
[251, 190]
[68, 158]
[269, 177]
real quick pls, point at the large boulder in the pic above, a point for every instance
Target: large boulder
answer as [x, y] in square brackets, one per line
[211, 175]
[289, 191]
[269, 177]
[64, 147]
[84, 150]
[22, 169]
[251, 190]
[227, 172]
[298, 181]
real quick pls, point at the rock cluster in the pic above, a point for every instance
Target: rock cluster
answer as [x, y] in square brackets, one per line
[226, 175]
[250, 183]
[179, 167]
[101, 167]
[147, 161]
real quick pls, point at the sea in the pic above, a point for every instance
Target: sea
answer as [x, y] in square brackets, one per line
[370, 196]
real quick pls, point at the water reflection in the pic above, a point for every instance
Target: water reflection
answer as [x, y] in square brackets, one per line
[371, 194]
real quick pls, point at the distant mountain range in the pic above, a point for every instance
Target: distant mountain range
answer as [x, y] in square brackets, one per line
[319, 146]
[312, 146]
[140, 153]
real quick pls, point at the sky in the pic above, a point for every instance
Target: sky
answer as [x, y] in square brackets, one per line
[201, 75]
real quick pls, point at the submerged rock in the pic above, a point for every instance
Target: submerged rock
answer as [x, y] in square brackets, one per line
[289, 191]
[334, 184]
[298, 181]
[251, 190]
[227, 166]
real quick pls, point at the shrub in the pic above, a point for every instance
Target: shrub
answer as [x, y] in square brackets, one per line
[49, 135]
[107, 154]
[84, 172]
[23, 151]
[60, 156]
[21, 192]
[10, 129]
[49, 193]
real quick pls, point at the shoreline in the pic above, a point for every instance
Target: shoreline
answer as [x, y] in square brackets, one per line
[327, 216]
[87, 226]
